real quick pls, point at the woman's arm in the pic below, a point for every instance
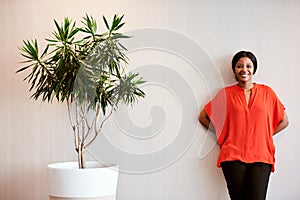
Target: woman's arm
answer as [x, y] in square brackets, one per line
[205, 121]
[282, 124]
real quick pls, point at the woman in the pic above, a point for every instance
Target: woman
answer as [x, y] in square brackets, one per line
[245, 116]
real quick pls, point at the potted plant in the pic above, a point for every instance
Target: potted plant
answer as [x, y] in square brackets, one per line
[85, 70]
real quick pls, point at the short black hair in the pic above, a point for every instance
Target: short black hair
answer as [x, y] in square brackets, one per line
[242, 54]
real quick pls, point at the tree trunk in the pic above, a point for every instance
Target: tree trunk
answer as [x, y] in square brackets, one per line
[81, 156]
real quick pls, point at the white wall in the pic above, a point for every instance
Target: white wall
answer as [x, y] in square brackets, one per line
[35, 134]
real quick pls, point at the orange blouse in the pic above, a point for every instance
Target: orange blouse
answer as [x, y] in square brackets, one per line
[244, 132]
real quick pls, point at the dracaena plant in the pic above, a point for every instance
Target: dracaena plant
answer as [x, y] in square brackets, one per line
[85, 70]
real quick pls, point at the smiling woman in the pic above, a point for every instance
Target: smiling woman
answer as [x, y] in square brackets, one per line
[253, 114]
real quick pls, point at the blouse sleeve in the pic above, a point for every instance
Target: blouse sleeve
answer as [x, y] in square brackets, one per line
[216, 111]
[278, 110]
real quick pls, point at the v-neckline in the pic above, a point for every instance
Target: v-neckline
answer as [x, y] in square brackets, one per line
[250, 103]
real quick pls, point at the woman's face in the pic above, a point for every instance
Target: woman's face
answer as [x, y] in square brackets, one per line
[244, 69]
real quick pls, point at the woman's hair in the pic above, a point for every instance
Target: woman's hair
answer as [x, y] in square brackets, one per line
[242, 54]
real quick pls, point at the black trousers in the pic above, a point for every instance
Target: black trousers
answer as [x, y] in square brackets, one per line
[246, 181]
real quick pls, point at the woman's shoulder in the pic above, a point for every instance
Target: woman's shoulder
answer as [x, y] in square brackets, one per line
[231, 88]
[265, 88]
[227, 89]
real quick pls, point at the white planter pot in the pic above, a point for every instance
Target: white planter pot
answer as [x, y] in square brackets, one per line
[66, 181]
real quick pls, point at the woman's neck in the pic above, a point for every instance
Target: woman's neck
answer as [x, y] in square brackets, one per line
[246, 85]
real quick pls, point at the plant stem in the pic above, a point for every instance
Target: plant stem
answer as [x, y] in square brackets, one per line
[72, 124]
[81, 156]
[97, 131]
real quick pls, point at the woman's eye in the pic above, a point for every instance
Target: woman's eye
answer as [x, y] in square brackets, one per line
[239, 66]
[249, 66]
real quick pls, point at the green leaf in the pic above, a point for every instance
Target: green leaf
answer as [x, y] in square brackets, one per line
[106, 24]
[76, 30]
[59, 35]
[22, 69]
[45, 51]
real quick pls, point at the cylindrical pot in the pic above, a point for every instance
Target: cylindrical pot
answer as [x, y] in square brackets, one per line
[96, 181]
